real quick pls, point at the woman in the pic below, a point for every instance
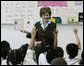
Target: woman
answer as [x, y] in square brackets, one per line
[44, 35]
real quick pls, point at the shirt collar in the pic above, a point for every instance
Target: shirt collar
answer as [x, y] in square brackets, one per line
[43, 23]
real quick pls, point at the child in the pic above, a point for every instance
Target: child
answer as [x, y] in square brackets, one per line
[5, 49]
[45, 58]
[28, 60]
[72, 50]
[14, 57]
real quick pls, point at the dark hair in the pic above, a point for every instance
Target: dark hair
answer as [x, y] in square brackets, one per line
[72, 50]
[57, 52]
[23, 49]
[58, 61]
[15, 57]
[4, 52]
[44, 10]
[38, 50]
[5, 44]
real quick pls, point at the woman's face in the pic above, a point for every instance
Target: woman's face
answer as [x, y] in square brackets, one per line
[45, 17]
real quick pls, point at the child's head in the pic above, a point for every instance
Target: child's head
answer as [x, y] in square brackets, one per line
[57, 52]
[58, 61]
[5, 44]
[14, 57]
[72, 50]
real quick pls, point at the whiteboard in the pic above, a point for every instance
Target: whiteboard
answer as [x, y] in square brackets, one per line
[6, 12]
[30, 11]
[11, 10]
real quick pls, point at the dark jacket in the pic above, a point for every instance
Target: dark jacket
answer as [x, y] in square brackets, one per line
[46, 37]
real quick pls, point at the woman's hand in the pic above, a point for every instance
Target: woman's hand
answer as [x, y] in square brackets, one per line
[24, 31]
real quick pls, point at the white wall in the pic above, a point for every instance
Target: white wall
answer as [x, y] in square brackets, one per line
[65, 35]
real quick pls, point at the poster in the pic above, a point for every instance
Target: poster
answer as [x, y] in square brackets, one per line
[52, 3]
[73, 19]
